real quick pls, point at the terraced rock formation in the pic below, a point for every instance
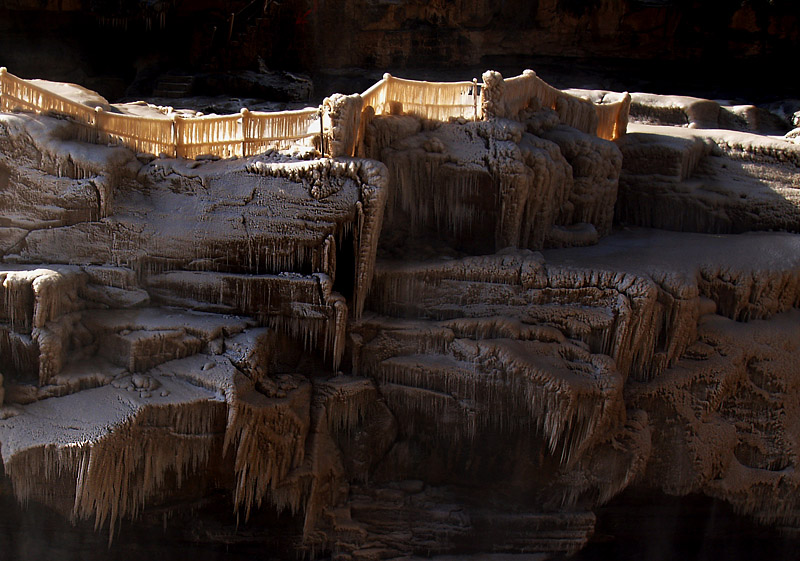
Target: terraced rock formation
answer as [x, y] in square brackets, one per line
[466, 340]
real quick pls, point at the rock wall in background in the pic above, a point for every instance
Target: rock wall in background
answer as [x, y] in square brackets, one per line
[58, 40]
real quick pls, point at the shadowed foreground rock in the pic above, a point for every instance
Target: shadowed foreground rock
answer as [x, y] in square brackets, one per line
[446, 346]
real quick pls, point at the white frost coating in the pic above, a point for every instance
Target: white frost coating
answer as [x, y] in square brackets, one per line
[438, 101]
[112, 479]
[346, 401]
[637, 297]
[341, 121]
[248, 133]
[347, 194]
[50, 146]
[513, 97]
[555, 389]
[467, 181]
[238, 226]
[714, 181]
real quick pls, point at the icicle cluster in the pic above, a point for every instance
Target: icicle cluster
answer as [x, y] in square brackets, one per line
[255, 132]
[211, 134]
[513, 97]
[346, 401]
[467, 181]
[225, 136]
[146, 447]
[317, 327]
[118, 474]
[38, 303]
[324, 177]
[304, 307]
[620, 315]
[228, 135]
[342, 114]
[437, 101]
[17, 94]
[497, 384]
[141, 134]
[267, 440]
[262, 131]
[115, 480]
[374, 192]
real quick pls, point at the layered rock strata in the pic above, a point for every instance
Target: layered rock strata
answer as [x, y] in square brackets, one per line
[254, 328]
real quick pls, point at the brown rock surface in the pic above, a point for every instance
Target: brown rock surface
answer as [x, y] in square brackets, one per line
[458, 378]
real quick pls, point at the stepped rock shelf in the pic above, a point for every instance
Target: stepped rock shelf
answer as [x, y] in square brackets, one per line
[458, 333]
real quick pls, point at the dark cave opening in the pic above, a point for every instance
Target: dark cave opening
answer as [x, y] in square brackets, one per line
[344, 283]
[643, 524]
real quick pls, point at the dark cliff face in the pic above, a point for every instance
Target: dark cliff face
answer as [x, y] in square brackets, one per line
[699, 41]
[79, 40]
[392, 33]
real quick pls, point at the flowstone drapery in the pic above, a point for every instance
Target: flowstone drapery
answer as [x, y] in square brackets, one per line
[466, 339]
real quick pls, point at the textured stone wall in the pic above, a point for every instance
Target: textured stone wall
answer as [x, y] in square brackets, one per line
[416, 32]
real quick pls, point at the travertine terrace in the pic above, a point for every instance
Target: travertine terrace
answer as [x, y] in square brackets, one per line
[410, 319]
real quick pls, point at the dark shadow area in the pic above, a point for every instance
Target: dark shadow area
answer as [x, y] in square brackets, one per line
[205, 530]
[345, 280]
[720, 79]
[734, 49]
[650, 526]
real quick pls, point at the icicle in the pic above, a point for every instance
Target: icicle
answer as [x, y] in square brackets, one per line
[337, 327]
[252, 133]
[268, 442]
[374, 189]
[116, 475]
[262, 131]
[347, 401]
[328, 265]
[438, 101]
